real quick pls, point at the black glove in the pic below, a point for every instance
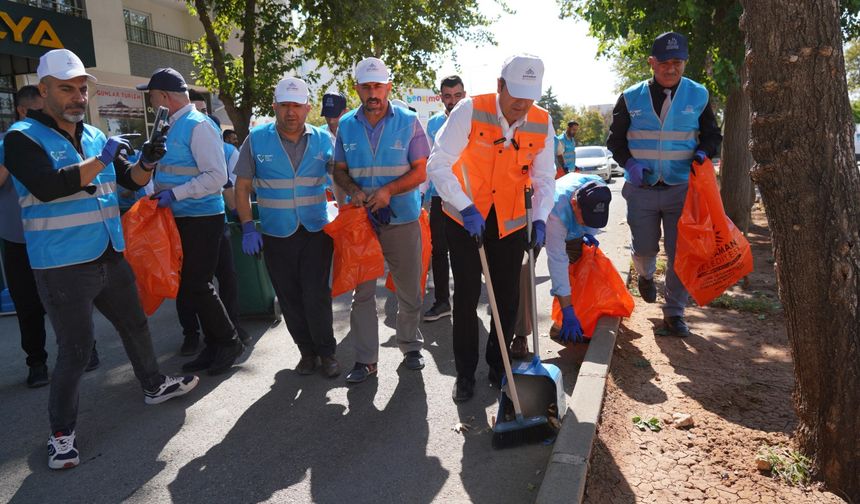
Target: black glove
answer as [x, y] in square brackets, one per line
[154, 149]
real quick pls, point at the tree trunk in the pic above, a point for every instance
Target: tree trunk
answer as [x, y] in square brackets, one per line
[801, 132]
[736, 188]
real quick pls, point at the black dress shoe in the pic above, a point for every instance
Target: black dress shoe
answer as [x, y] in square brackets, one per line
[413, 360]
[464, 389]
[676, 326]
[189, 344]
[94, 359]
[647, 289]
[203, 360]
[330, 366]
[38, 376]
[225, 356]
[307, 365]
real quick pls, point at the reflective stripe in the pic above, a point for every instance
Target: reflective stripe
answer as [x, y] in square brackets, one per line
[274, 183]
[665, 135]
[190, 171]
[533, 127]
[514, 223]
[310, 200]
[466, 183]
[72, 220]
[452, 211]
[666, 155]
[310, 181]
[276, 203]
[101, 189]
[379, 171]
[485, 117]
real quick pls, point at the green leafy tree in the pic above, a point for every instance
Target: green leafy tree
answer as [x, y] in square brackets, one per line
[550, 102]
[276, 37]
[852, 66]
[592, 125]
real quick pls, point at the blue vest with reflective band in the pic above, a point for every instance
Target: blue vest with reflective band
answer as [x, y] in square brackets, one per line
[372, 171]
[74, 229]
[565, 187]
[229, 149]
[287, 197]
[569, 153]
[178, 167]
[668, 147]
[433, 126]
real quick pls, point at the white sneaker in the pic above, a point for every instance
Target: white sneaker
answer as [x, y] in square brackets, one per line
[173, 386]
[63, 450]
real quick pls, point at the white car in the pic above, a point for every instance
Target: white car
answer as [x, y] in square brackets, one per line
[596, 160]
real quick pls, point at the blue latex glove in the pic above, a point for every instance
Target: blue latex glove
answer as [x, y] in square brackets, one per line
[155, 149]
[474, 223]
[165, 198]
[538, 238]
[636, 170]
[381, 217]
[571, 329]
[115, 146]
[252, 240]
[700, 156]
[589, 239]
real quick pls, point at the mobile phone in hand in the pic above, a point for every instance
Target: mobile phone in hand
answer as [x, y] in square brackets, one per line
[160, 121]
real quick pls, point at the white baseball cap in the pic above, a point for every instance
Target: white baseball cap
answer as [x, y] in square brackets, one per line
[523, 74]
[371, 70]
[291, 89]
[62, 64]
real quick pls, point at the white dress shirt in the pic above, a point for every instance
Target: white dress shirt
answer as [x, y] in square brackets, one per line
[454, 137]
[207, 148]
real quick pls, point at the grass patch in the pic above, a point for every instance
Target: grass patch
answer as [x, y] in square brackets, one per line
[661, 266]
[788, 465]
[757, 303]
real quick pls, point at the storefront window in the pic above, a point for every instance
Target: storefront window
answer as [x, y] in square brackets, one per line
[7, 103]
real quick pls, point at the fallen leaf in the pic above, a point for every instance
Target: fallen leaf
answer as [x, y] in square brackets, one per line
[461, 427]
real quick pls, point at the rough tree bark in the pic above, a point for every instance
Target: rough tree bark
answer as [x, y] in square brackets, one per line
[802, 145]
[736, 188]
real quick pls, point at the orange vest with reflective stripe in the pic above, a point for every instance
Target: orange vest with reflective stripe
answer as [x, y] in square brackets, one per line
[494, 175]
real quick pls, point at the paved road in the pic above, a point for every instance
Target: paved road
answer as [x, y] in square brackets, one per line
[264, 433]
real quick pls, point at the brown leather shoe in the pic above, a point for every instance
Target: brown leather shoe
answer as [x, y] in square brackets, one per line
[519, 347]
[308, 365]
[330, 366]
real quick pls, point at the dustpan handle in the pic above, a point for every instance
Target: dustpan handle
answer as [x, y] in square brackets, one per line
[534, 312]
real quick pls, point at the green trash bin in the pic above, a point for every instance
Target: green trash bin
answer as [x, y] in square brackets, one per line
[256, 294]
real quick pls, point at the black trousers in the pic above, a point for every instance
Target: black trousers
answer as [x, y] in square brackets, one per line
[504, 257]
[30, 312]
[299, 266]
[201, 240]
[228, 291]
[440, 250]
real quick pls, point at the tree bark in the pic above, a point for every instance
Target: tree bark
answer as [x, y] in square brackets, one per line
[736, 188]
[801, 130]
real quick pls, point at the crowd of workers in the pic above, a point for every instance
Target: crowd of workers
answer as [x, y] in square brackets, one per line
[471, 167]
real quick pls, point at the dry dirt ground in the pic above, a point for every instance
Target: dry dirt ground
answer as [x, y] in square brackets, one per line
[733, 375]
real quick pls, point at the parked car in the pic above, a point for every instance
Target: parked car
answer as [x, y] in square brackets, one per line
[596, 160]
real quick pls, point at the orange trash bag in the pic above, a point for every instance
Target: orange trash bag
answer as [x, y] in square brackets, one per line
[426, 253]
[153, 249]
[711, 254]
[357, 252]
[597, 290]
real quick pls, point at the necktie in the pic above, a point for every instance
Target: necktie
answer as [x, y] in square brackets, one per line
[667, 102]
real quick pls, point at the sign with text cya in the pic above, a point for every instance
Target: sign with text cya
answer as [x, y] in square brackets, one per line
[30, 32]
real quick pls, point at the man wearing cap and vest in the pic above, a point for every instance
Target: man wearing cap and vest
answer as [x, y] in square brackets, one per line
[451, 90]
[189, 181]
[567, 147]
[490, 149]
[659, 126]
[580, 208]
[380, 160]
[65, 173]
[287, 163]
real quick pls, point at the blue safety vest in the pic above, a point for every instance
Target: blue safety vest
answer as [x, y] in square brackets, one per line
[229, 149]
[565, 187]
[372, 171]
[73, 229]
[569, 153]
[287, 197]
[667, 148]
[434, 124]
[178, 167]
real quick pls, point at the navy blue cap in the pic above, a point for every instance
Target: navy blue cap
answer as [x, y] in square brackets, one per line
[165, 79]
[333, 104]
[670, 45]
[593, 199]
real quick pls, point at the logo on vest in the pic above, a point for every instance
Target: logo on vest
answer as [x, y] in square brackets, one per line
[264, 158]
[635, 112]
[672, 44]
[398, 145]
[319, 156]
[688, 110]
[58, 155]
[350, 147]
[529, 74]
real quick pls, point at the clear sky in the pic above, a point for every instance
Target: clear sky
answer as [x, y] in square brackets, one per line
[572, 68]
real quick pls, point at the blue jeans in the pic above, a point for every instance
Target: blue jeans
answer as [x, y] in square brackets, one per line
[69, 294]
